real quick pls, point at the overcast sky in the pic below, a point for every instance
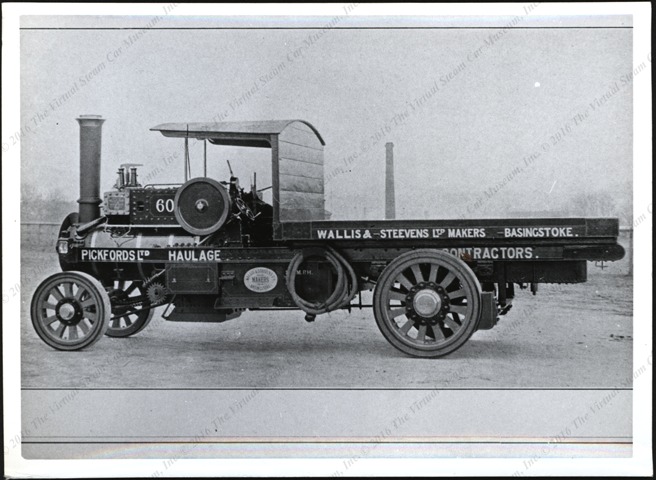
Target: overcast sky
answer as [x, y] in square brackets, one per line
[498, 100]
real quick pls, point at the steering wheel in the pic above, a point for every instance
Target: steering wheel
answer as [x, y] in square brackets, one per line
[243, 208]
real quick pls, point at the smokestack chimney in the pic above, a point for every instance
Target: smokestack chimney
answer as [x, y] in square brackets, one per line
[90, 140]
[390, 211]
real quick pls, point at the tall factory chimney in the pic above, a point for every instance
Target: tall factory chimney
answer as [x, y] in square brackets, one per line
[390, 211]
[90, 141]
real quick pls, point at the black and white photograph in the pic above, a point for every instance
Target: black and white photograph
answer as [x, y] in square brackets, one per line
[327, 239]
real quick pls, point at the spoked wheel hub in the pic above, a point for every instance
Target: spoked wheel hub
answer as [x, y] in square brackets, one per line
[119, 301]
[69, 311]
[427, 303]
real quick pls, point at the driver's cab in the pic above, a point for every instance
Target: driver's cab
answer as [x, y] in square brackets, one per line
[205, 207]
[255, 216]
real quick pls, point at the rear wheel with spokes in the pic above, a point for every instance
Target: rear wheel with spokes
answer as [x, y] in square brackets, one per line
[131, 311]
[427, 303]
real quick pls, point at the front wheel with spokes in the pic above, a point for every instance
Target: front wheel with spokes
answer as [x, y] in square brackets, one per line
[427, 303]
[70, 310]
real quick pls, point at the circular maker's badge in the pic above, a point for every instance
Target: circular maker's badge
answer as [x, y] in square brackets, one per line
[260, 279]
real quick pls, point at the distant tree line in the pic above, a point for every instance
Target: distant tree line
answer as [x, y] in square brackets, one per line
[600, 204]
[37, 206]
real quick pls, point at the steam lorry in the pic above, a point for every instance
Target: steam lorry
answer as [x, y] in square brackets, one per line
[208, 250]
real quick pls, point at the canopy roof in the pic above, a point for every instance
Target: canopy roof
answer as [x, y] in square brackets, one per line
[244, 134]
[297, 175]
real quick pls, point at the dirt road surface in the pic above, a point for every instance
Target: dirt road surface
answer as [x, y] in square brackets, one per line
[570, 336]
